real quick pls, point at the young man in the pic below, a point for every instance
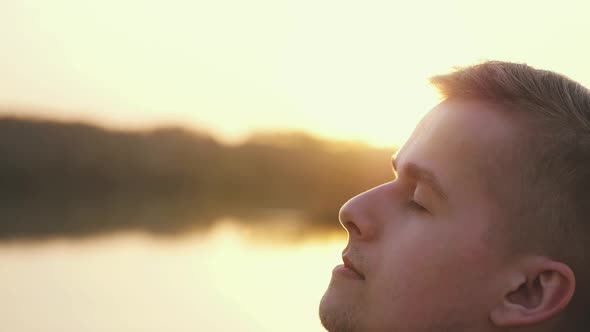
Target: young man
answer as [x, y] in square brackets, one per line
[485, 226]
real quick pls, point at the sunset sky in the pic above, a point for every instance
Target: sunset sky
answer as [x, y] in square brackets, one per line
[339, 69]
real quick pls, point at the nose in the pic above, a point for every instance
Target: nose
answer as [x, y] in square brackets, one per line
[362, 215]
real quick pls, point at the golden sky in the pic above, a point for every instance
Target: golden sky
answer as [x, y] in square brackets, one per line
[340, 69]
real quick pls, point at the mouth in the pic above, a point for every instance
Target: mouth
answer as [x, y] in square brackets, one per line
[348, 269]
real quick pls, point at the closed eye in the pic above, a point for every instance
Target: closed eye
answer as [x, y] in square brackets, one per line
[418, 207]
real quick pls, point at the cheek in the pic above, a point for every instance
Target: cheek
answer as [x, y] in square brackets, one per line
[424, 269]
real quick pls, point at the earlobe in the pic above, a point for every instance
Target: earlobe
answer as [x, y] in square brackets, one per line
[545, 290]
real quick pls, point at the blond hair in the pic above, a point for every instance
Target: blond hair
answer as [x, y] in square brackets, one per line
[554, 168]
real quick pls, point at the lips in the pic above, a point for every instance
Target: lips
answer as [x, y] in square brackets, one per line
[349, 264]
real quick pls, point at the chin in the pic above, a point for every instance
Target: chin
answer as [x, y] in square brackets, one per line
[336, 313]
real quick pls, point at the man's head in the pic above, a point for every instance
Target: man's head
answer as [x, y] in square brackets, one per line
[483, 227]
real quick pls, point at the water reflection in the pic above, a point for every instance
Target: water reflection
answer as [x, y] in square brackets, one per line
[226, 279]
[75, 215]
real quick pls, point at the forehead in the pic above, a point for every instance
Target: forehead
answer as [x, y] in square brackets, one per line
[464, 143]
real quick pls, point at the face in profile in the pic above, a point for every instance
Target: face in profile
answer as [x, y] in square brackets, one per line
[419, 257]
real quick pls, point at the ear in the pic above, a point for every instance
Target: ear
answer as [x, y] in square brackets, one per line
[538, 292]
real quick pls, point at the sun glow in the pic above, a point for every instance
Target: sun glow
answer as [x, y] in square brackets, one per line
[337, 69]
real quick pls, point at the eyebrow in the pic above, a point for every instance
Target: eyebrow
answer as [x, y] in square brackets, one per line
[423, 175]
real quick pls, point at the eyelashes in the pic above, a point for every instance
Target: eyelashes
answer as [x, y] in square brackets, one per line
[416, 202]
[417, 207]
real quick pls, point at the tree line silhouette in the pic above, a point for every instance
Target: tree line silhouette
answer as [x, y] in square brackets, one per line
[75, 179]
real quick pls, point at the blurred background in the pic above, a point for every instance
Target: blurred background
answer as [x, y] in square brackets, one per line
[179, 165]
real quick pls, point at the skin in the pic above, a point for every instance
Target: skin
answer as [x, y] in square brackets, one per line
[427, 260]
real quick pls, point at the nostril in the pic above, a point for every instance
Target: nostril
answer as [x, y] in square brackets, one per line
[353, 228]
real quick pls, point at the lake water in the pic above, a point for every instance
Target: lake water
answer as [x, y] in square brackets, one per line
[227, 279]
